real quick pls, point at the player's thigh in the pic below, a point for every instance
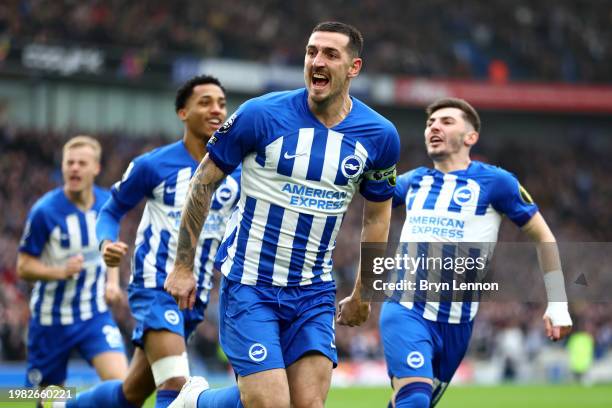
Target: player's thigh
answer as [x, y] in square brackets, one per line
[162, 343]
[309, 380]
[138, 384]
[265, 389]
[110, 365]
[408, 342]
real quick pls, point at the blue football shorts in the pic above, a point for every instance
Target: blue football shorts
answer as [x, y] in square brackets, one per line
[417, 347]
[156, 309]
[267, 327]
[49, 347]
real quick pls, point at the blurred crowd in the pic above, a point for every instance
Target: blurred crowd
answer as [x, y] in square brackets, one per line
[570, 184]
[548, 40]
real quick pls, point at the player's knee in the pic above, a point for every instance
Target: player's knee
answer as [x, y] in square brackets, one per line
[307, 401]
[414, 395]
[265, 398]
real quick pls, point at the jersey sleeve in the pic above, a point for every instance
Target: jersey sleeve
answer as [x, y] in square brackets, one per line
[379, 181]
[223, 201]
[237, 137]
[36, 232]
[401, 189]
[511, 199]
[136, 183]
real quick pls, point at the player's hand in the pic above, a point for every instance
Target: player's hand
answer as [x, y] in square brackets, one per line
[181, 284]
[73, 266]
[112, 252]
[112, 293]
[557, 321]
[352, 311]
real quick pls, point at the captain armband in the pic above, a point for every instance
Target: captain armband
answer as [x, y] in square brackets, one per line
[389, 174]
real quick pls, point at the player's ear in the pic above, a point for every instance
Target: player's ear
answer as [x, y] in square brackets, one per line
[182, 114]
[471, 138]
[355, 67]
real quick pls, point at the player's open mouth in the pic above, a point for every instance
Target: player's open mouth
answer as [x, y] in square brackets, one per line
[319, 80]
[75, 178]
[215, 123]
[435, 140]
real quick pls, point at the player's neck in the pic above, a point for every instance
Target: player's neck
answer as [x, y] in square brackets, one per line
[451, 164]
[83, 200]
[333, 111]
[195, 146]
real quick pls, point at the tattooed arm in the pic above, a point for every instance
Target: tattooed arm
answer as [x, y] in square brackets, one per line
[181, 283]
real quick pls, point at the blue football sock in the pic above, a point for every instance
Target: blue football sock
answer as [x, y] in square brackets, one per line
[108, 394]
[414, 395]
[228, 397]
[165, 398]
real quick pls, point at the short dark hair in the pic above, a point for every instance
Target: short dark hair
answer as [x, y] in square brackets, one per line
[186, 90]
[355, 43]
[469, 113]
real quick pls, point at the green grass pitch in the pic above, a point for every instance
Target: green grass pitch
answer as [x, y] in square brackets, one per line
[486, 397]
[483, 397]
[546, 396]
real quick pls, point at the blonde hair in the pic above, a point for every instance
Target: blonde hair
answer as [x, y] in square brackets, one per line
[83, 140]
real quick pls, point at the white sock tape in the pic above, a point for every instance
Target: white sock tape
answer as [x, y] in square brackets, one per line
[170, 367]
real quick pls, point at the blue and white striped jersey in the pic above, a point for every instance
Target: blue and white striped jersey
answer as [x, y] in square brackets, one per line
[464, 206]
[298, 178]
[162, 177]
[55, 231]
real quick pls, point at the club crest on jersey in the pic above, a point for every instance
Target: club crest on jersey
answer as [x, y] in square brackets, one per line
[465, 196]
[352, 166]
[258, 352]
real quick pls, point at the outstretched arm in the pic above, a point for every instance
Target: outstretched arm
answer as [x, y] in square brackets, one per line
[557, 320]
[180, 283]
[376, 218]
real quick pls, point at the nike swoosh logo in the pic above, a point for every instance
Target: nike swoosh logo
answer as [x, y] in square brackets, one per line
[288, 156]
[170, 190]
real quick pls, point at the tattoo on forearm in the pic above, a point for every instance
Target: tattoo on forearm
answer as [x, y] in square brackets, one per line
[194, 214]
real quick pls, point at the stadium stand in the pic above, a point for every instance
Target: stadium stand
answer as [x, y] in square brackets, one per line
[468, 39]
